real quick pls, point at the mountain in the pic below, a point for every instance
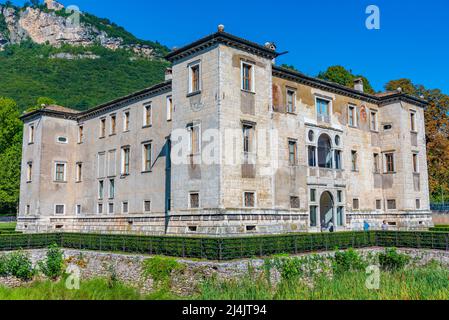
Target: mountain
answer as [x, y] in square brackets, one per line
[74, 58]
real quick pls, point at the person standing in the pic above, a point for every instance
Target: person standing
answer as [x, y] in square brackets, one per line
[366, 225]
[384, 226]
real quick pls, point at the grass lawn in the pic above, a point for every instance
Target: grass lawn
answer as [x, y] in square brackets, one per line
[7, 227]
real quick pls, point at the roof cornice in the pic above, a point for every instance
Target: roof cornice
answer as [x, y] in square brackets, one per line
[333, 87]
[221, 38]
[104, 108]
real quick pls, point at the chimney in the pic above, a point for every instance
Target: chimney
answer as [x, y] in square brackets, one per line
[168, 74]
[358, 84]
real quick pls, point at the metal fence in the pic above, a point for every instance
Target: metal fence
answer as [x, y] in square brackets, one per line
[228, 248]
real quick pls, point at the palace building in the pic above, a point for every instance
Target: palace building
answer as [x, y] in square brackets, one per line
[230, 144]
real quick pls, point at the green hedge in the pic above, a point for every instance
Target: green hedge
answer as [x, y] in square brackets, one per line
[227, 248]
[440, 229]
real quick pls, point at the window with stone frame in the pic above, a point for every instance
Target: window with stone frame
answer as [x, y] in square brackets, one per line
[126, 121]
[415, 163]
[147, 157]
[352, 116]
[147, 115]
[355, 204]
[373, 121]
[378, 204]
[194, 200]
[354, 160]
[147, 206]
[31, 134]
[113, 124]
[294, 202]
[292, 152]
[312, 156]
[247, 77]
[169, 108]
[125, 207]
[194, 77]
[291, 101]
[389, 163]
[376, 163]
[80, 134]
[60, 172]
[250, 199]
[30, 172]
[125, 161]
[391, 204]
[59, 209]
[102, 128]
[79, 172]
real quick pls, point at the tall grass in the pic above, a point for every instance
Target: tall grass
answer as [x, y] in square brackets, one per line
[428, 283]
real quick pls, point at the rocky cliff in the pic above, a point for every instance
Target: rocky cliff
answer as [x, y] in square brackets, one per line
[53, 24]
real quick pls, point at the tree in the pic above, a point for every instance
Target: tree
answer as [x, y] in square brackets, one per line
[10, 155]
[341, 75]
[437, 134]
[41, 102]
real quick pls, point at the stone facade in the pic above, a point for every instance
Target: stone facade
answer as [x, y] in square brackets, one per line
[238, 146]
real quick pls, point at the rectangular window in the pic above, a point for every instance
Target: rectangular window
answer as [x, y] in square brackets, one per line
[415, 163]
[312, 156]
[147, 206]
[102, 128]
[378, 204]
[30, 172]
[248, 136]
[195, 138]
[113, 124]
[28, 210]
[31, 134]
[312, 195]
[352, 116]
[313, 216]
[169, 108]
[322, 109]
[418, 204]
[340, 196]
[111, 208]
[250, 199]
[337, 159]
[78, 209]
[391, 204]
[374, 126]
[247, 77]
[355, 204]
[354, 156]
[147, 161]
[294, 202]
[100, 208]
[100, 189]
[80, 134]
[125, 161]
[292, 153]
[126, 120]
[376, 163]
[340, 216]
[389, 162]
[291, 101]
[60, 172]
[147, 116]
[194, 201]
[413, 121]
[59, 209]
[111, 189]
[125, 207]
[79, 172]
[194, 76]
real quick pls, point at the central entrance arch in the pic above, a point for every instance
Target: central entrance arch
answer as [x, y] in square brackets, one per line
[326, 209]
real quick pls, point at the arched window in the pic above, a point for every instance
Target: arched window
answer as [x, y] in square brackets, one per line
[325, 152]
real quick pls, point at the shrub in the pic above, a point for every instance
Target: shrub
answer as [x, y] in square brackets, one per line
[349, 260]
[53, 265]
[391, 260]
[19, 265]
[160, 268]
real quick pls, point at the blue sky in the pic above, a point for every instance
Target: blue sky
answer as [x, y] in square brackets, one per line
[413, 41]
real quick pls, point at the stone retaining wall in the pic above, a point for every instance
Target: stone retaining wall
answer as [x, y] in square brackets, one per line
[128, 268]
